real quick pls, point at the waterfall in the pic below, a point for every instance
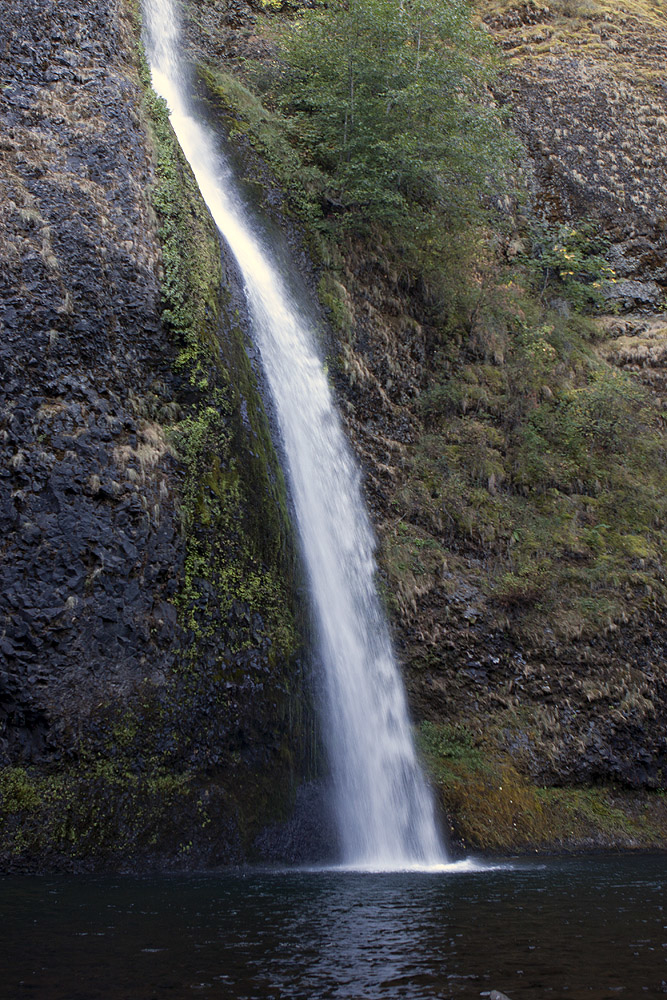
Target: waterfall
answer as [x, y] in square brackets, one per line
[383, 806]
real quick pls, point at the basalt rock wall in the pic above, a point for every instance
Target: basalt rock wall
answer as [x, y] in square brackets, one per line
[151, 690]
[91, 556]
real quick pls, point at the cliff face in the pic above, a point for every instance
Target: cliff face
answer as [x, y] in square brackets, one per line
[518, 502]
[151, 700]
[151, 692]
[585, 85]
[506, 647]
[91, 555]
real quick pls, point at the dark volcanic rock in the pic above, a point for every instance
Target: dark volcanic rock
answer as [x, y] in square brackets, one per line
[135, 728]
[87, 489]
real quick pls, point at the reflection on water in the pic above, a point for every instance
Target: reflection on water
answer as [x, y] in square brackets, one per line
[582, 928]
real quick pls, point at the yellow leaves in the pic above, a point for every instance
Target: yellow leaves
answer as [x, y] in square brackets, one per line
[568, 256]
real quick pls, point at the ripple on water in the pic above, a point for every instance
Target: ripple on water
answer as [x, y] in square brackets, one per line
[574, 928]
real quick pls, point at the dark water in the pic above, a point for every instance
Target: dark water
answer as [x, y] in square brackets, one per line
[586, 928]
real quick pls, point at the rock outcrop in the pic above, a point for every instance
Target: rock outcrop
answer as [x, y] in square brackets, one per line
[149, 664]
[92, 552]
[584, 83]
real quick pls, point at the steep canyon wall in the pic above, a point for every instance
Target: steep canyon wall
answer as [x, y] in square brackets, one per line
[152, 701]
[525, 582]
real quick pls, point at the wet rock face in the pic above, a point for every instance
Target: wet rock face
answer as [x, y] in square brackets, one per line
[223, 30]
[139, 488]
[90, 548]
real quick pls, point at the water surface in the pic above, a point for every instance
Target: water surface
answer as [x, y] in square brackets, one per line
[592, 928]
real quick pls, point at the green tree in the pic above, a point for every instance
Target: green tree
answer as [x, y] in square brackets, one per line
[571, 263]
[389, 99]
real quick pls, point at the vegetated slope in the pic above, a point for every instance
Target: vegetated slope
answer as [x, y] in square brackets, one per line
[509, 418]
[151, 700]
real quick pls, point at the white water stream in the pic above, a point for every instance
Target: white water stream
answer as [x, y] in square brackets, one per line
[384, 808]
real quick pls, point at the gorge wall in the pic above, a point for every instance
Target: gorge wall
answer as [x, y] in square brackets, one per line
[153, 703]
[524, 575]
[152, 698]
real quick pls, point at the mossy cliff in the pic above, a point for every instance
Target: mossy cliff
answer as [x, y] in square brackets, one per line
[153, 707]
[510, 420]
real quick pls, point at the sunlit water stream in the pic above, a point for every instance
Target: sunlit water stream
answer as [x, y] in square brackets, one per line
[384, 809]
[579, 929]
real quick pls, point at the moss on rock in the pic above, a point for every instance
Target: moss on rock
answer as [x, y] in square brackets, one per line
[494, 807]
[187, 764]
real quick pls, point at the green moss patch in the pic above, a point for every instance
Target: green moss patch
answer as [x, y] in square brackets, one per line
[492, 806]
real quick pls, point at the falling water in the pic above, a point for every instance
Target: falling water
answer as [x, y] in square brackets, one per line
[384, 809]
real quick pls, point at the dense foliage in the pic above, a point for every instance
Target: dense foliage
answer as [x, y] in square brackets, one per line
[389, 102]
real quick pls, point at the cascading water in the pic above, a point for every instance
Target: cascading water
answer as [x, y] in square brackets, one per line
[384, 808]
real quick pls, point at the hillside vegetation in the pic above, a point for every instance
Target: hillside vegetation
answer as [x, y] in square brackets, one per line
[520, 427]
[477, 192]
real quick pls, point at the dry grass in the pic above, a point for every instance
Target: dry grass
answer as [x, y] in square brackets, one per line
[631, 38]
[150, 449]
[642, 344]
